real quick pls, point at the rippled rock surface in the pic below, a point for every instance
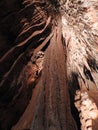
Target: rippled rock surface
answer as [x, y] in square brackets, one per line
[49, 65]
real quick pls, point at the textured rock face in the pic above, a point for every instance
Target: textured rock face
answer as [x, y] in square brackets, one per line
[48, 65]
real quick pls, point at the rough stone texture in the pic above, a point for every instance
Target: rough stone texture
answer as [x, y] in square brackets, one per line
[48, 65]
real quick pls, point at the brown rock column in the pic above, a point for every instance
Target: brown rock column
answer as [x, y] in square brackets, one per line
[53, 104]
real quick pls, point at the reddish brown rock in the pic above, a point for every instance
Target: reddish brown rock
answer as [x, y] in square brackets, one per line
[48, 65]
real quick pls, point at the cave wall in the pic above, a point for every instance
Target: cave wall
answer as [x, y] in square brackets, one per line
[26, 29]
[35, 91]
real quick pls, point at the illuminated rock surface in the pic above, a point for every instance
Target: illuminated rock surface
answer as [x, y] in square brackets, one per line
[48, 65]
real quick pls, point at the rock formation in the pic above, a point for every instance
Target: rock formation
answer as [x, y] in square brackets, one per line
[48, 65]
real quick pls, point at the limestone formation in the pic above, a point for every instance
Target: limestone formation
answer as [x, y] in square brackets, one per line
[48, 65]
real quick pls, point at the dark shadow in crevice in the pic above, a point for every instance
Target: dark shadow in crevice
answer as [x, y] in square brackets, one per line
[73, 87]
[46, 46]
